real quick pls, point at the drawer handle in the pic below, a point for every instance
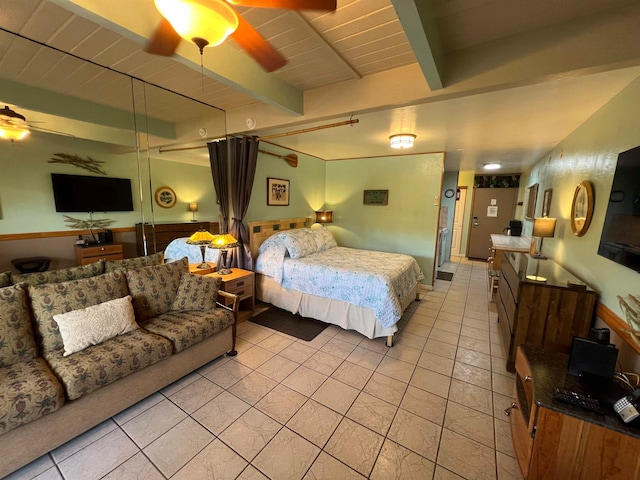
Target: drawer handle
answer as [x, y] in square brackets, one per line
[102, 249]
[239, 284]
[240, 293]
[507, 411]
[527, 379]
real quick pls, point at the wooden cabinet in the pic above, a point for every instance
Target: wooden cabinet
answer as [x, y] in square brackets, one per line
[159, 235]
[85, 255]
[241, 283]
[547, 312]
[555, 440]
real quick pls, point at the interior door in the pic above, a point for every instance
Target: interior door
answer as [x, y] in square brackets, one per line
[458, 223]
[492, 209]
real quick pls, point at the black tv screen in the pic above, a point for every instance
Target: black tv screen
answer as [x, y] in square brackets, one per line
[620, 239]
[80, 193]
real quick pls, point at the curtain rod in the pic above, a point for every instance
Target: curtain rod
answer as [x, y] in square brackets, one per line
[269, 137]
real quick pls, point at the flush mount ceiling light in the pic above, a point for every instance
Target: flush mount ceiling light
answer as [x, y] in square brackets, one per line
[13, 126]
[402, 140]
[491, 166]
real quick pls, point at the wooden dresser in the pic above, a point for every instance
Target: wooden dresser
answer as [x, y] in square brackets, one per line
[93, 253]
[545, 313]
[556, 440]
[159, 235]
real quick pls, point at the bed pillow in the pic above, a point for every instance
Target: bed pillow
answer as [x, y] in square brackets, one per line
[324, 239]
[271, 256]
[300, 242]
[95, 324]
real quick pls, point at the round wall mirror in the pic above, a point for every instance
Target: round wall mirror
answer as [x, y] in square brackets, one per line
[582, 208]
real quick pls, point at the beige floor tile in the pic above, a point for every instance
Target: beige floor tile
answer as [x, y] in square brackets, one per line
[415, 433]
[44, 465]
[277, 368]
[477, 333]
[447, 326]
[399, 463]
[355, 445]
[181, 383]
[436, 363]
[317, 342]
[474, 358]
[135, 410]
[377, 345]
[281, 403]
[175, 448]
[503, 384]
[256, 335]
[386, 388]
[304, 380]
[471, 423]
[349, 336]
[417, 328]
[287, 456]
[504, 441]
[431, 381]
[254, 357]
[81, 441]
[405, 353]
[250, 433]
[500, 404]
[251, 473]
[227, 374]
[220, 412]
[100, 457]
[366, 358]
[446, 350]
[328, 468]
[352, 374]
[418, 318]
[396, 369]
[372, 412]
[444, 336]
[49, 474]
[474, 314]
[474, 375]
[196, 394]
[471, 396]
[215, 461]
[154, 422]
[450, 316]
[138, 466]
[409, 339]
[315, 422]
[482, 346]
[477, 462]
[323, 362]
[336, 395]
[424, 404]
[275, 343]
[253, 387]
[338, 348]
[298, 352]
[507, 467]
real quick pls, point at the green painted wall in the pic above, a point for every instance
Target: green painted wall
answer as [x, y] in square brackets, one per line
[307, 184]
[465, 179]
[408, 224]
[590, 153]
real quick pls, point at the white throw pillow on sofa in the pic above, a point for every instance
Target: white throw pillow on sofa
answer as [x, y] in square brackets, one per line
[95, 324]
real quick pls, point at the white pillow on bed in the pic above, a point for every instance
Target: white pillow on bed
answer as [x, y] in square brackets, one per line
[271, 256]
[300, 242]
[324, 239]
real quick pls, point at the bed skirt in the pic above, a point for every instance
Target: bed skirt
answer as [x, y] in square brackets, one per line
[336, 312]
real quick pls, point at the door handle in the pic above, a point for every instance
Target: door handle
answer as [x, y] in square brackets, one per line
[507, 411]
[475, 221]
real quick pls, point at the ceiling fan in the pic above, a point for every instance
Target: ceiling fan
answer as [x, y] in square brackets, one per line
[210, 22]
[14, 126]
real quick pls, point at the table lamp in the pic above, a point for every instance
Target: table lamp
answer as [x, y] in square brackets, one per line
[193, 208]
[543, 227]
[202, 238]
[326, 216]
[223, 242]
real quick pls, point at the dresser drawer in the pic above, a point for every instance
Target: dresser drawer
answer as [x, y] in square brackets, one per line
[243, 287]
[101, 250]
[86, 255]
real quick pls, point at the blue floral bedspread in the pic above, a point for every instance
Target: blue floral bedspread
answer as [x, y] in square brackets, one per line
[376, 280]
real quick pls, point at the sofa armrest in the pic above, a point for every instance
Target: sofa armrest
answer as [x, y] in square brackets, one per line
[234, 309]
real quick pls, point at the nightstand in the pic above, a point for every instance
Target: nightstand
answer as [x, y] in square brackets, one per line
[110, 251]
[193, 268]
[241, 283]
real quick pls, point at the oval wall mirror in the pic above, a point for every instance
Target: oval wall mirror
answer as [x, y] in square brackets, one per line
[582, 208]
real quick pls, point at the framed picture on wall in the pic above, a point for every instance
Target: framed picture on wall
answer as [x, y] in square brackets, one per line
[376, 197]
[277, 191]
[532, 196]
[546, 202]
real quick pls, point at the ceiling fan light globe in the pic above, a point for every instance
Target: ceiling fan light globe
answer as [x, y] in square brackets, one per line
[207, 23]
[13, 132]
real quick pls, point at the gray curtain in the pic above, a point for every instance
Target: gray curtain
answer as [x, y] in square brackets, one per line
[243, 154]
[218, 160]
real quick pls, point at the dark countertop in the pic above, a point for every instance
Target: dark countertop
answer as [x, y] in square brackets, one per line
[549, 371]
[528, 266]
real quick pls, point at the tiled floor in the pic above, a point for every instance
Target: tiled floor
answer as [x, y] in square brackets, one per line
[338, 407]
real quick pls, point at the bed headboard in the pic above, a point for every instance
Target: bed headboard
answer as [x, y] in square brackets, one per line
[260, 231]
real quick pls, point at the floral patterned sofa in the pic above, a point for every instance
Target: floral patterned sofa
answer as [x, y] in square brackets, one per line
[79, 345]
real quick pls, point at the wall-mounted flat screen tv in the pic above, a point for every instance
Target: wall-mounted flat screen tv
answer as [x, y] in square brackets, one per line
[620, 239]
[81, 193]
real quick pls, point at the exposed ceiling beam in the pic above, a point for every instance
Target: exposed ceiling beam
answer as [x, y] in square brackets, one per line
[137, 20]
[419, 23]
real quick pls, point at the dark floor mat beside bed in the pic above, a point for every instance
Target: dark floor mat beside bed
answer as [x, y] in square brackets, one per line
[300, 327]
[448, 276]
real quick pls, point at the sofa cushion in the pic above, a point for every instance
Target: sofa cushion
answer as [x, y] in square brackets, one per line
[153, 289]
[196, 292]
[134, 263]
[5, 279]
[16, 335]
[99, 365]
[62, 275]
[28, 390]
[51, 299]
[95, 324]
[186, 328]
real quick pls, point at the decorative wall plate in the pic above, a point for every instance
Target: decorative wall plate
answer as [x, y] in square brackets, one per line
[166, 197]
[582, 208]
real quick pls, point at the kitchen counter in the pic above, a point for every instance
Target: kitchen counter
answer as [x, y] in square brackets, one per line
[506, 243]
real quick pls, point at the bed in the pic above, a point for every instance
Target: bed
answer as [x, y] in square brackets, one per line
[304, 271]
[179, 248]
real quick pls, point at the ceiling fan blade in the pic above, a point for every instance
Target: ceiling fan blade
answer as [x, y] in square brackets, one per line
[288, 4]
[257, 47]
[164, 41]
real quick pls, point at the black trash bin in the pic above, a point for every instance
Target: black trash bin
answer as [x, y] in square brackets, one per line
[31, 264]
